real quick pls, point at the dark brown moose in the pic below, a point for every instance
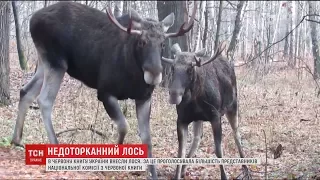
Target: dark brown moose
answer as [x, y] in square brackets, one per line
[203, 89]
[120, 57]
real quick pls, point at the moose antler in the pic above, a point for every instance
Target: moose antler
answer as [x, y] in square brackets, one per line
[168, 60]
[115, 21]
[189, 25]
[198, 62]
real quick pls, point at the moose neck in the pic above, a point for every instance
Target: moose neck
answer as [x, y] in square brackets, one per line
[197, 84]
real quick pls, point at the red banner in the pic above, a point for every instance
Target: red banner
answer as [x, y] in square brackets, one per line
[36, 154]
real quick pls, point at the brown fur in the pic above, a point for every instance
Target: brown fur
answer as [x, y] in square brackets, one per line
[203, 93]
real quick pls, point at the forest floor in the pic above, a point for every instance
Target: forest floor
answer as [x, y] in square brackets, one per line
[285, 107]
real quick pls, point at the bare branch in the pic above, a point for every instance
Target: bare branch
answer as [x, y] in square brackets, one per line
[303, 18]
[313, 21]
[234, 6]
[82, 129]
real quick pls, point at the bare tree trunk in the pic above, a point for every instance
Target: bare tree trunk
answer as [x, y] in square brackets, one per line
[296, 34]
[235, 34]
[125, 7]
[243, 45]
[268, 36]
[164, 9]
[291, 56]
[257, 37]
[205, 31]
[259, 41]
[216, 41]
[314, 39]
[210, 26]
[4, 53]
[117, 8]
[198, 33]
[133, 4]
[253, 34]
[305, 36]
[22, 60]
[286, 42]
[247, 39]
[263, 25]
[275, 33]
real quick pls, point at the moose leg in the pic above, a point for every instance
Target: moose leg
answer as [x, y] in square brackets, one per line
[27, 95]
[233, 120]
[143, 110]
[217, 133]
[232, 117]
[51, 84]
[182, 131]
[197, 134]
[113, 109]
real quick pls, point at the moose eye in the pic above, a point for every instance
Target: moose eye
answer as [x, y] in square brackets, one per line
[163, 46]
[141, 43]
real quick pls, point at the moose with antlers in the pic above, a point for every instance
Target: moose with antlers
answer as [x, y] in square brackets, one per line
[120, 57]
[203, 91]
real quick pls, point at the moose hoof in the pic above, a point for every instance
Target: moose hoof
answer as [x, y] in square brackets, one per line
[15, 144]
[247, 174]
[177, 178]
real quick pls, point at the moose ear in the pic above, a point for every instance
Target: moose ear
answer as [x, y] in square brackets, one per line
[168, 22]
[201, 52]
[135, 15]
[136, 18]
[175, 48]
[117, 11]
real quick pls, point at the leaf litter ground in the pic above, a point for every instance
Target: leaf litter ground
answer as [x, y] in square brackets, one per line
[286, 108]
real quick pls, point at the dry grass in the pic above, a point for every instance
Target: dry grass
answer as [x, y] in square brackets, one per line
[275, 103]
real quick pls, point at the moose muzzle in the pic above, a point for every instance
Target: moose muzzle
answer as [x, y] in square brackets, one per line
[175, 96]
[151, 78]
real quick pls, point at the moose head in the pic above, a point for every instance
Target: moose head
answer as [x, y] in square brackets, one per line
[183, 69]
[149, 42]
